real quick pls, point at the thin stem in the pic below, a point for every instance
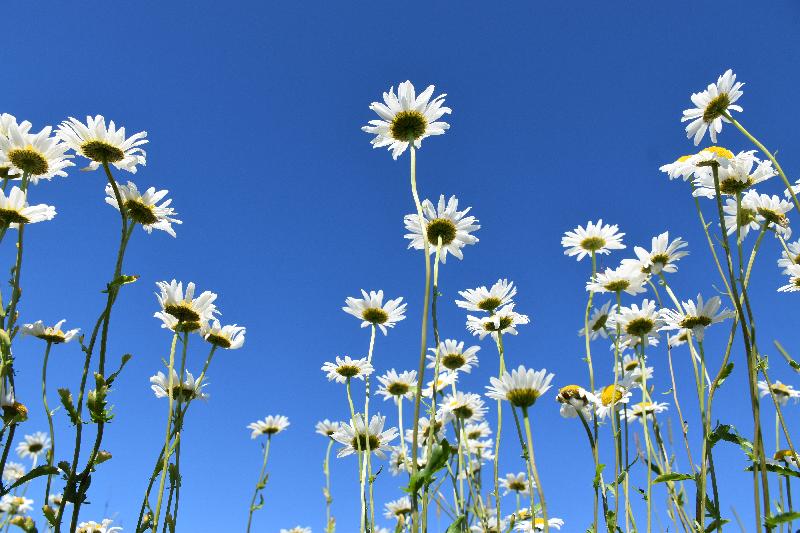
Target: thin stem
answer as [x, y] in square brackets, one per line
[329, 521]
[170, 397]
[259, 483]
[532, 460]
[52, 451]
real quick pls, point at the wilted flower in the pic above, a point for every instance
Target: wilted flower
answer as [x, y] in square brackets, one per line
[575, 400]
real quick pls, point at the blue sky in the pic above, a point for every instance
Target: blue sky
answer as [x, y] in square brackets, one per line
[561, 114]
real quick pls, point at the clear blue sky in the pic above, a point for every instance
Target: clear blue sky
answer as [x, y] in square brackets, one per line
[562, 113]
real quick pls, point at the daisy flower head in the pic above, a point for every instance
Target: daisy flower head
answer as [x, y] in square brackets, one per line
[398, 509]
[538, 524]
[515, 483]
[406, 118]
[618, 280]
[711, 107]
[597, 322]
[189, 312]
[491, 526]
[477, 431]
[230, 337]
[678, 340]
[697, 165]
[189, 389]
[35, 155]
[15, 210]
[504, 320]
[13, 411]
[794, 280]
[424, 431]
[356, 436]
[630, 368]
[575, 400]
[663, 254]
[521, 388]
[396, 386]
[611, 398]
[144, 209]
[735, 177]
[443, 222]
[12, 472]
[445, 379]
[397, 461]
[595, 238]
[7, 122]
[52, 334]
[271, 425]
[326, 428]
[645, 411]
[483, 299]
[297, 529]
[695, 316]
[34, 445]
[771, 210]
[782, 391]
[638, 323]
[94, 527]
[345, 368]
[684, 167]
[740, 217]
[102, 144]
[465, 406]
[372, 311]
[12, 504]
[791, 258]
[453, 356]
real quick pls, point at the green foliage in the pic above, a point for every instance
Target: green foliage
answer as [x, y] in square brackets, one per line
[437, 461]
[41, 470]
[673, 476]
[781, 518]
[69, 406]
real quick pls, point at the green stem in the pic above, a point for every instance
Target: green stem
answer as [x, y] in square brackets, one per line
[329, 521]
[52, 451]
[259, 484]
[170, 395]
[532, 460]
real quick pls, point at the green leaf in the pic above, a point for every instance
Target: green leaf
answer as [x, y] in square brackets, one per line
[777, 469]
[41, 470]
[66, 401]
[598, 475]
[673, 476]
[456, 526]
[724, 373]
[113, 376]
[728, 433]
[715, 524]
[781, 518]
[437, 461]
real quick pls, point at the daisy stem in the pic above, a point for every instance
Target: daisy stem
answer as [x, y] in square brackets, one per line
[768, 154]
[646, 397]
[415, 526]
[777, 449]
[358, 451]
[52, 451]
[706, 414]
[329, 521]
[710, 241]
[501, 353]
[170, 394]
[532, 461]
[400, 428]
[259, 484]
[366, 475]
[526, 456]
[587, 335]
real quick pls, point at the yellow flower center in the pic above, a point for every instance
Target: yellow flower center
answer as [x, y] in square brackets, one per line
[375, 315]
[441, 228]
[408, 126]
[101, 151]
[29, 160]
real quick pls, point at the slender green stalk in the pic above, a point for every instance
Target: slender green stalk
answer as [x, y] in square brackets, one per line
[330, 522]
[170, 398]
[588, 345]
[532, 460]
[367, 513]
[52, 451]
[501, 354]
[259, 484]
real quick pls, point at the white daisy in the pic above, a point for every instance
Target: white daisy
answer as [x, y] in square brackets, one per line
[189, 389]
[230, 337]
[610, 399]
[711, 105]
[37, 155]
[662, 256]
[326, 428]
[645, 410]
[94, 527]
[406, 118]
[398, 509]
[597, 238]
[453, 356]
[101, 144]
[477, 431]
[33, 446]
[515, 483]
[522, 387]
[397, 461]
[444, 221]
[790, 259]
[443, 380]
[772, 210]
[297, 529]
[619, 279]
[12, 472]
[7, 122]
[347, 368]
[630, 370]
[538, 524]
[597, 322]
[465, 406]
[698, 165]
[483, 299]
[270, 426]
[396, 386]
[372, 311]
[683, 167]
[782, 391]
[504, 320]
[424, 430]
[52, 334]
[695, 316]
[637, 323]
[574, 400]
[143, 208]
[14, 209]
[794, 280]
[190, 312]
[735, 177]
[356, 436]
[742, 216]
[12, 504]
[491, 526]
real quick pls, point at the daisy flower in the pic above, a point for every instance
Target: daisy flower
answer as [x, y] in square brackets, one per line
[662, 255]
[464, 406]
[772, 211]
[782, 391]
[101, 144]
[229, 337]
[710, 107]
[477, 431]
[94, 527]
[521, 387]
[357, 435]
[736, 176]
[396, 386]
[398, 509]
[372, 311]
[326, 428]
[611, 399]
[445, 379]
[538, 524]
[514, 483]
[697, 165]
[347, 368]
[297, 529]
[33, 446]
[424, 430]
[406, 118]
[630, 368]
[794, 280]
[7, 122]
[444, 221]
[619, 279]
[695, 316]
[483, 299]
[597, 238]
[645, 410]
[793, 258]
[637, 323]
[491, 526]
[504, 320]
[742, 216]
[12, 472]
[574, 400]
[273, 424]
[397, 461]
[190, 312]
[189, 389]
[13, 411]
[453, 356]
[144, 209]
[37, 155]
[52, 334]
[11, 504]
[597, 322]
[14, 209]
[684, 167]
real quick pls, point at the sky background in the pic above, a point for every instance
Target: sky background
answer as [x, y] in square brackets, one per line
[561, 114]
